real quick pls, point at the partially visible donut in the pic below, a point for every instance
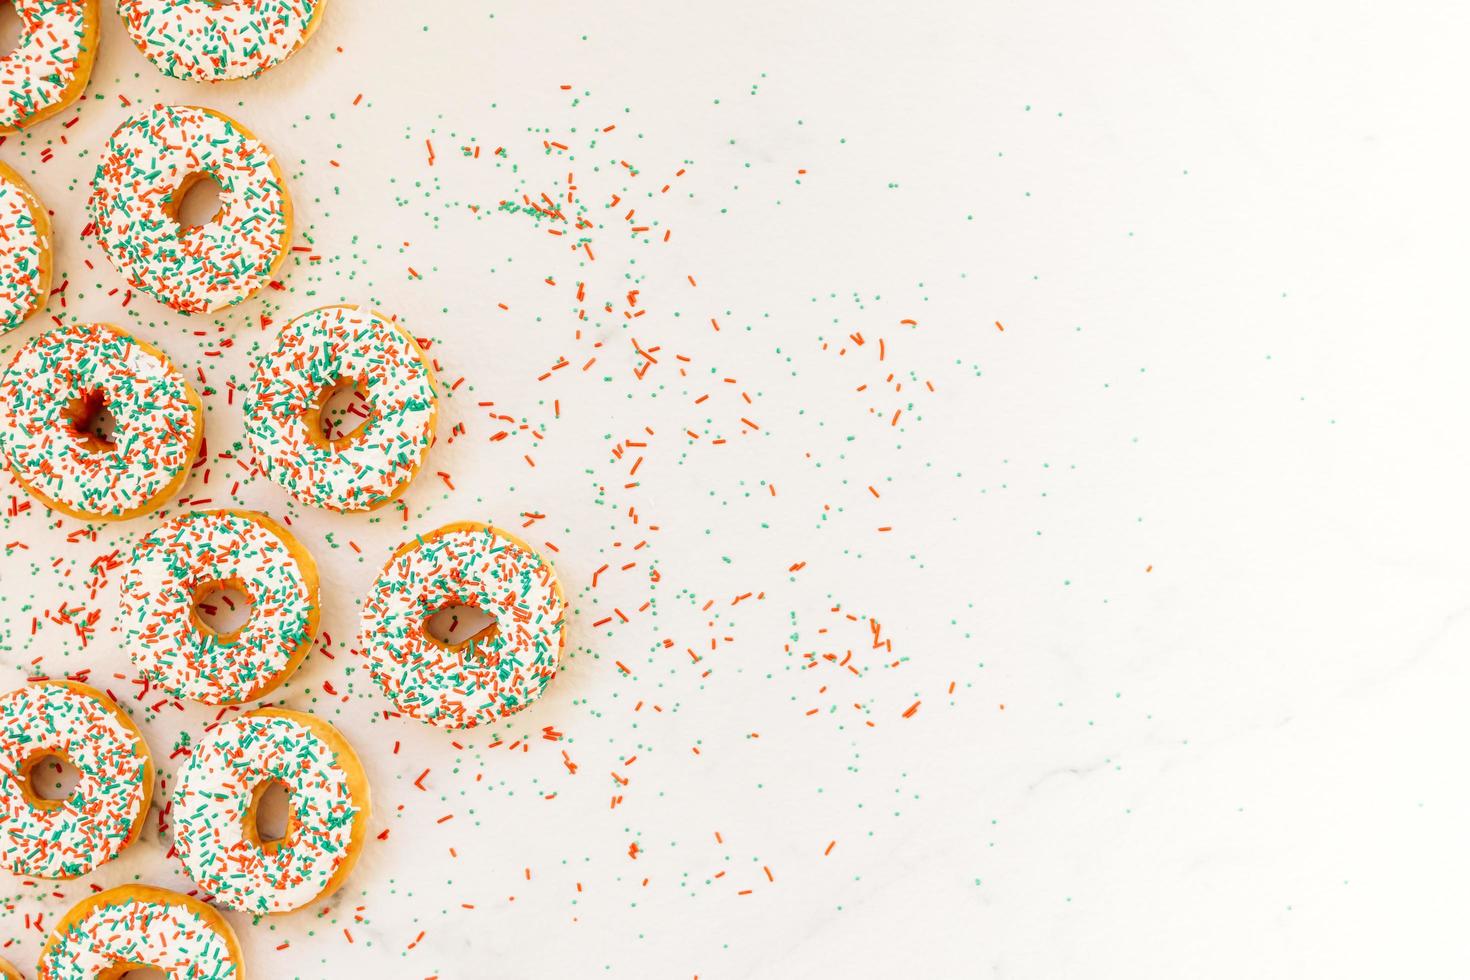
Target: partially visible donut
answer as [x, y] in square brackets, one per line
[489, 676]
[209, 41]
[314, 354]
[173, 568]
[25, 251]
[51, 62]
[55, 387]
[42, 838]
[219, 791]
[8, 972]
[138, 926]
[147, 167]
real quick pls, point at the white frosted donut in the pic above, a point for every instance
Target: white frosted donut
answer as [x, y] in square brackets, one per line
[108, 934]
[209, 41]
[60, 380]
[489, 676]
[312, 355]
[208, 552]
[51, 62]
[220, 788]
[104, 814]
[148, 166]
[25, 251]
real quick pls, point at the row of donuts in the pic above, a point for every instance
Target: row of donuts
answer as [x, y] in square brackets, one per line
[214, 801]
[148, 166]
[216, 833]
[57, 386]
[480, 679]
[193, 40]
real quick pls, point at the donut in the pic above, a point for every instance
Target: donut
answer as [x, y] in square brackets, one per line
[51, 62]
[53, 390]
[42, 838]
[218, 794]
[208, 41]
[137, 926]
[194, 555]
[493, 674]
[148, 166]
[25, 251]
[312, 357]
[9, 972]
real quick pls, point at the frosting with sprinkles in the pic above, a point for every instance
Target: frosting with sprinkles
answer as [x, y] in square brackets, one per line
[210, 551]
[138, 925]
[104, 814]
[313, 353]
[483, 679]
[218, 789]
[205, 41]
[25, 251]
[148, 165]
[51, 62]
[63, 377]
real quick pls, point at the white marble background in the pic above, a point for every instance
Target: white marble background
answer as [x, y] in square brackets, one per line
[1187, 536]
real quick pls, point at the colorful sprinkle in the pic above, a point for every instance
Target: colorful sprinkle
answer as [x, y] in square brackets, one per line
[487, 677]
[58, 383]
[211, 551]
[68, 838]
[218, 789]
[148, 165]
[204, 41]
[314, 353]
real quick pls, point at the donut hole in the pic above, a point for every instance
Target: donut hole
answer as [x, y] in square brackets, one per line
[197, 202]
[222, 608]
[11, 28]
[342, 410]
[268, 822]
[459, 627]
[50, 780]
[89, 419]
[137, 973]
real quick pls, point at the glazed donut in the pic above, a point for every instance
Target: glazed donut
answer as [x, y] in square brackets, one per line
[8, 972]
[207, 41]
[67, 838]
[194, 555]
[495, 673]
[138, 926]
[148, 166]
[25, 251]
[312, 356]
[55, 387]
[51, 62]
[219, 791]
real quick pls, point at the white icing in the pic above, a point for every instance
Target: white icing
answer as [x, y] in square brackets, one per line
[169, 933]
[490, 679]
[44, 65]
[313, 353]
[156, 421]
[207, 41]
[24, 251]
[92, 825]
[214, 794]
[203, 268]
[157, 609]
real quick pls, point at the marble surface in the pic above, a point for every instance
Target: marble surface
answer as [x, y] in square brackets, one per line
[1063, 576]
